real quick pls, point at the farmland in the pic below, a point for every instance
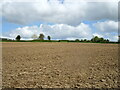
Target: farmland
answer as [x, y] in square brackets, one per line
[59, 65]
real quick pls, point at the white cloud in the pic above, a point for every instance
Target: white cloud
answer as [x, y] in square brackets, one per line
[107, 29]
[66, 18]
[25, 32]
[109, 36]
[64, 31]
[107, 26]
[70, 12]
[99, 35]
[60, 0]
[57, 31]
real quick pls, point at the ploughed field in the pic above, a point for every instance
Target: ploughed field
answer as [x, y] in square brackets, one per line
[59, 65]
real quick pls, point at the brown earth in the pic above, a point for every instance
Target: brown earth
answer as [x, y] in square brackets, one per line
[59, 65]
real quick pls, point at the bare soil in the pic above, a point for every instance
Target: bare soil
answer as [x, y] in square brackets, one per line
[59, 65]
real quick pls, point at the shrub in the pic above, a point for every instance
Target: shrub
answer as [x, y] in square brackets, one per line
[18, 38]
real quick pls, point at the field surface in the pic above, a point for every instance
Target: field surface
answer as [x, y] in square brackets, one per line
[59, 65]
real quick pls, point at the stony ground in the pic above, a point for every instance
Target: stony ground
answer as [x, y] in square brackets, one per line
[59, 65]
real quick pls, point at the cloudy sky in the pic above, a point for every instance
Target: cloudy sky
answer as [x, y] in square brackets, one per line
[60, 19]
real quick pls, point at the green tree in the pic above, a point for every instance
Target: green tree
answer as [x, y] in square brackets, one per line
[18, 38]
[49, 38]
[41, 37]
[101, 39]
[97, 39]
[85, 40]
[107, 40]
[77, 40]
[119, 38]
[82, 40]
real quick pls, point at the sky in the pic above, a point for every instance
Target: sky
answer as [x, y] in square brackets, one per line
[60, 19]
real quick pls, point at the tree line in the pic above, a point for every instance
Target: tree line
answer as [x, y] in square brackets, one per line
[42, 36]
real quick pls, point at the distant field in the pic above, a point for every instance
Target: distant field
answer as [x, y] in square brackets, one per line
[59, 65]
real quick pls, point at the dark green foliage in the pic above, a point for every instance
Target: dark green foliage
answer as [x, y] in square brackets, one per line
[49, 38]
[63, 40]
[41, 37]
[81, 40]
[97, 39]
[18, 38]
[88, 41]
[3, 39]
[85, 40]
[77, 40]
